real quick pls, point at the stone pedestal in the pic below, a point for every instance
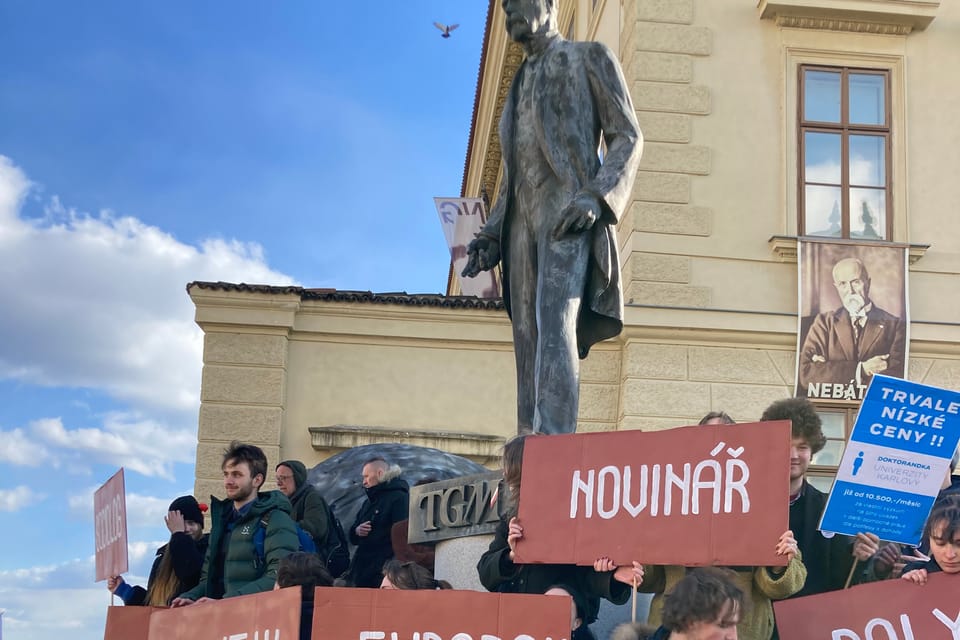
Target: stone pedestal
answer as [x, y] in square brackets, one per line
[456, 561]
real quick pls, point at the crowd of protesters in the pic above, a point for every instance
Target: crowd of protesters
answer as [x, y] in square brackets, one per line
[261, 540]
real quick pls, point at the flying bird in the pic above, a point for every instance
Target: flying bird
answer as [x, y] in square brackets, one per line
[446, 30]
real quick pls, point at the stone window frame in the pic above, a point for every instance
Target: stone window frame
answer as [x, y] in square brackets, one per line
[882, 53]
[845, 129]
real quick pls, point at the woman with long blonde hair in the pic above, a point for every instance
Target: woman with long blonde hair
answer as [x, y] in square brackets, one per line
[177, 565]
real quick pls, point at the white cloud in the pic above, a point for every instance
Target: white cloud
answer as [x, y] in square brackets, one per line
[18, 448]
[142, 511]
[18, 498]
[98, 301]
[29, 595]
[141, 445]
[80, 613]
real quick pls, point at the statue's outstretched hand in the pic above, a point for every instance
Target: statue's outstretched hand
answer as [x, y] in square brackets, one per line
[578, 216]
[483, 254]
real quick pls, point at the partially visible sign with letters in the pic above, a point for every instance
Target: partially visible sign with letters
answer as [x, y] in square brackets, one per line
[389, 614]
[128, 623]
[895, 462]
[455, 508]
[889, 610]
[110, 528]
[271, 615]
[461, 219]
[693, 496]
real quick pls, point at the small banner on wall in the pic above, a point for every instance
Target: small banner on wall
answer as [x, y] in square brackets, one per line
[854, 318]
[693, 496]
[890, 609]
[461, 219]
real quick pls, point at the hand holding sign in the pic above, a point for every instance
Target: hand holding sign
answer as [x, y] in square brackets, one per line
[865, 545]
[787, 546]
[631, 574]
[514, 533]
[917, 576]
[889, 562]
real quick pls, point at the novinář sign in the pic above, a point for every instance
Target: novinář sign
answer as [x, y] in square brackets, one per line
[895, 462]
[691, 496]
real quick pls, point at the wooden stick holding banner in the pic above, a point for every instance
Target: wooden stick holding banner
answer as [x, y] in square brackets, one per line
[853, 568]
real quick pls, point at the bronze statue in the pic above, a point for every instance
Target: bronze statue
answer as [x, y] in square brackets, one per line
[554, 220]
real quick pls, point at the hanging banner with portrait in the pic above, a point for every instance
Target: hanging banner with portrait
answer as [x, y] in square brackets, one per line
[854, 318]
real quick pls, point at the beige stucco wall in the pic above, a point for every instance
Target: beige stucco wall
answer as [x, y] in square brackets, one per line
[711, 315]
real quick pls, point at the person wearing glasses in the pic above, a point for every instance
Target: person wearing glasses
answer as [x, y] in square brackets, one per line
[310, 510]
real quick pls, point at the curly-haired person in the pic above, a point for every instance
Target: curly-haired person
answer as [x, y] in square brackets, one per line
[705, 605]
[827, 557]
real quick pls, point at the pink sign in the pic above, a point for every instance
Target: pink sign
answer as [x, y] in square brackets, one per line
[110, 528]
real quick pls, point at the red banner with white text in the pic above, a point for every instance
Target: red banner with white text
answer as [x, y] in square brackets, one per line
[693, 496]
[890, 609]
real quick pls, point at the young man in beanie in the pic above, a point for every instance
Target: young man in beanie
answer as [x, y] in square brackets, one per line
[309, 507]
[232, 566]
[178, 563]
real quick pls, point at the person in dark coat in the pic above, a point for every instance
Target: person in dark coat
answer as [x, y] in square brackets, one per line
[177, 565]
[309, 508]
[498, 571]
[942, 532]
[827, 557]
[307, 571]
[387, 503]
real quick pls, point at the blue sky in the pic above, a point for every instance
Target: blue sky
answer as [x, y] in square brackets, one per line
[144, 145]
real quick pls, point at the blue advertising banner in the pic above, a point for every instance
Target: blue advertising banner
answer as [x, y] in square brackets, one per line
[895, 462]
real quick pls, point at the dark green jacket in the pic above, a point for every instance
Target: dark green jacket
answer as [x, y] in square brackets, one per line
[242, 571]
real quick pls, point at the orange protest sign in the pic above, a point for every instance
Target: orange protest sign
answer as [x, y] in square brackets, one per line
[897, 608]
[110, 528]
[386, 614]
[706, 495]
[270, 615]
[127, 623]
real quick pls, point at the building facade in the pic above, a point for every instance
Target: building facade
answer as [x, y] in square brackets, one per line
[754, 115]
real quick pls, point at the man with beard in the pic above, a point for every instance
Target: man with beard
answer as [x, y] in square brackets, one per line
[386, 503]
[232, 566]
[854, 342]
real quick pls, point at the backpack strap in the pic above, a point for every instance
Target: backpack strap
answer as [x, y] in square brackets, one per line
[259, 538]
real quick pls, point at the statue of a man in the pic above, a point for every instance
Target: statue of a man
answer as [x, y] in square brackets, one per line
[554, 220]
